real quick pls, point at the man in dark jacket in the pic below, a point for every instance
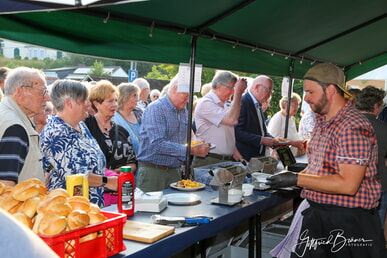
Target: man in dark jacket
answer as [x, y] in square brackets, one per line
[250, 133]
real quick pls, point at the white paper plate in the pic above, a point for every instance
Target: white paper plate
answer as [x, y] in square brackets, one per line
[260, 177]
[173, 185]
[183, 198]
[212, 145]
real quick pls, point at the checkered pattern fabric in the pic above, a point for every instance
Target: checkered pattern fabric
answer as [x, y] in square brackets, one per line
[348, 138]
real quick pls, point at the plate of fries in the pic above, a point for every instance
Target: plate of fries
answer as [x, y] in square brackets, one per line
[197, 143]
[282, 140]
[187, 185]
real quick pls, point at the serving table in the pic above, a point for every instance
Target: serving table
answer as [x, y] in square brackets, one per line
[224, 218]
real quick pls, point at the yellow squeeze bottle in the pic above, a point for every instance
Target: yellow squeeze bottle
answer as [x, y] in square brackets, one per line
[77, 185]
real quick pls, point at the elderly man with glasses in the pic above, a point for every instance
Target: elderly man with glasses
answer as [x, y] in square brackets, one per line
[215, 121]
[25, 96]
[251, 133]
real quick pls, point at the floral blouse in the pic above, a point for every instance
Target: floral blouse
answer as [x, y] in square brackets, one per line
[67, 151]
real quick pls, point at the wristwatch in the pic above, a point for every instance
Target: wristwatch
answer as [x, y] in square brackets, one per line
[104, 180]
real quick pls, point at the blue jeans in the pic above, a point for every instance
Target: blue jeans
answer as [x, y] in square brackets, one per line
[383, 207]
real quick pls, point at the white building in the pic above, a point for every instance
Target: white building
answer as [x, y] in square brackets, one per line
[10, 49]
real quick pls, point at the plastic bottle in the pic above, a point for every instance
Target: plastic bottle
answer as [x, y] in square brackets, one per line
[126, 191]
[77, 185]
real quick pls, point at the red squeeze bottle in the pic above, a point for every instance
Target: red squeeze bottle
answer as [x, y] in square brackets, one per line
[126, 191]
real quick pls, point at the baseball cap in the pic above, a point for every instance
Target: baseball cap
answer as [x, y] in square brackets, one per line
[328, 73]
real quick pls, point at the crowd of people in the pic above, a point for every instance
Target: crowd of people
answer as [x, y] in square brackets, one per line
[96, 129]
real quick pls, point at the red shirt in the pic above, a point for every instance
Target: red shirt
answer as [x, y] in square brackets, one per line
[348, 138]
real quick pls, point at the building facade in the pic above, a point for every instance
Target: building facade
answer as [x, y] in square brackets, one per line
[10, 49]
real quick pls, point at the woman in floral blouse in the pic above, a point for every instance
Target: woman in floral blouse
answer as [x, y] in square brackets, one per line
[67, 145]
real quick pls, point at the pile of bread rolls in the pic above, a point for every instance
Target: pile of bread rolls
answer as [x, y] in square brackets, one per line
[48, 213]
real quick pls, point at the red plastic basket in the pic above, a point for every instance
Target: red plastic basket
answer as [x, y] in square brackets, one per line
[108, 242]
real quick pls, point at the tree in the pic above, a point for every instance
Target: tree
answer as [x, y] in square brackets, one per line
[163, 72]
[97, 69]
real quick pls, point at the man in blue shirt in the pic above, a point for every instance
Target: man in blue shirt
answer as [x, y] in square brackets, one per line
[163, 141]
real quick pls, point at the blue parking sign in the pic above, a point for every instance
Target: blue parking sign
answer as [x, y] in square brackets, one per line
[132, 75]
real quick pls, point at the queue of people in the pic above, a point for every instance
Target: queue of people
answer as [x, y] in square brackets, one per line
[346, 142]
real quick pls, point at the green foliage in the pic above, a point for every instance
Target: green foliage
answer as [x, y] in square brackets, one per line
[163, 72]
[97, 69]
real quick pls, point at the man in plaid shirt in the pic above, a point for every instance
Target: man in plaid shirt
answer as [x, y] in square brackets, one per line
[341, 183]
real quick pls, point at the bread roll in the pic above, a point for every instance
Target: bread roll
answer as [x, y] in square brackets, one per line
[69, 255]
[36, 221]
[58, 191]
[109, 240]
[30, 206]
[23, 219]
[40, 184]
[88, 237]
[51, 224]
[9, 202]
[94, 208]
[77, 219]
[2, 188]
[58, 204]
[8, 188]
[70, 247]
[79, 203]
[96, 218]
[25, 190]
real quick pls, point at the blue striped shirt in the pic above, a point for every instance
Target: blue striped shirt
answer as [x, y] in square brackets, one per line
[163, 134]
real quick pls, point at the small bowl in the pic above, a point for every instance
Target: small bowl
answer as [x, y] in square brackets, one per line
[235, 195]
[247, 189]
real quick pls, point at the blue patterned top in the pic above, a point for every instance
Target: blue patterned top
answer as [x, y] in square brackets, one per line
[163, 134]
[71, 152]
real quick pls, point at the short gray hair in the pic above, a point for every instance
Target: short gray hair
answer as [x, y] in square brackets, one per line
[141, 83]
[63, 89]
[172, 84]
[125, 90]
[21, 76]
[224, 78]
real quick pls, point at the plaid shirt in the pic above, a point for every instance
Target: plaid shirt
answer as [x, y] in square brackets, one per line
[163, 134]
[348, 138]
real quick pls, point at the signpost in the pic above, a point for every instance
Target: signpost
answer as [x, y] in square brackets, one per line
[133, 74]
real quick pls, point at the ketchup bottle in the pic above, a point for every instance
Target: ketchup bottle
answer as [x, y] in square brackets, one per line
[126, 191]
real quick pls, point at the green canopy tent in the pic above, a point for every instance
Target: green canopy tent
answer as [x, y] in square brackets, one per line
[278, 38]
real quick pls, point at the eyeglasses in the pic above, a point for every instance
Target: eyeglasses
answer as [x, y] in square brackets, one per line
[267, 88]
[228, 87]
[44, 91]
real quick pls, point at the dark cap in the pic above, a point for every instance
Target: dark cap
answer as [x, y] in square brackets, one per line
[328, 73]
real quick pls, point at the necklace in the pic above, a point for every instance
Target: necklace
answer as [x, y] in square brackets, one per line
[104, 129]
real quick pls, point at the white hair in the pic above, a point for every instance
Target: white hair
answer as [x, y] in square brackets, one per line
[142, 83]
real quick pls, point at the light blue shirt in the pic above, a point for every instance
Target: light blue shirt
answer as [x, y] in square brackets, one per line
[133, 129]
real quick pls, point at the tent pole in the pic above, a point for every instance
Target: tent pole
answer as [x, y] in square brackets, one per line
[188, 168]
[290, 90]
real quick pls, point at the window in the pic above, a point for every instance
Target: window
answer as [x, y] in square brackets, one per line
[16, 53]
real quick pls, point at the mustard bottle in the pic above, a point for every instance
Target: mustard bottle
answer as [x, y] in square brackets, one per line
[77, 185]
